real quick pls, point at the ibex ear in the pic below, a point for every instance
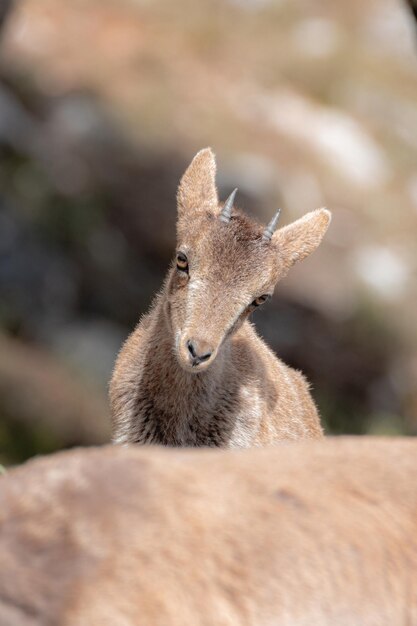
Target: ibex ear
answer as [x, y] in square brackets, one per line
[197, 189]
[302, 237]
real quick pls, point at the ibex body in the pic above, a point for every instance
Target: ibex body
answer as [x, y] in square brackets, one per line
[194, 372]
[319, 533]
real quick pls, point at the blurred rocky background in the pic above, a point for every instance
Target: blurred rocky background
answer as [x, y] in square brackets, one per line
[102, 105]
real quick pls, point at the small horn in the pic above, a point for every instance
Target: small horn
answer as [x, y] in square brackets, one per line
[269, 230]
[226, 213]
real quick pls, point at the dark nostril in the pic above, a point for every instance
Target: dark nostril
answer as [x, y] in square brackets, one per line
[205, 356]
[191, 348]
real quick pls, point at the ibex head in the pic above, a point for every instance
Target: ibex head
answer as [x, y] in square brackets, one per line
[226, 265]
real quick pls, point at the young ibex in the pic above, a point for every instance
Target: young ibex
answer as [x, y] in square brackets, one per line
[194, 372]
[318, 533]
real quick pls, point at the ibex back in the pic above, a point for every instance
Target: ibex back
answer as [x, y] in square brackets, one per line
[194, 372]
[318, 533]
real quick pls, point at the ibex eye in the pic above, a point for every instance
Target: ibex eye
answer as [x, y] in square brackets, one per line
[260, 300]
[182, 262]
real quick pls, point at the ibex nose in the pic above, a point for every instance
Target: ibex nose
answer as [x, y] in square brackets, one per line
[199, 351]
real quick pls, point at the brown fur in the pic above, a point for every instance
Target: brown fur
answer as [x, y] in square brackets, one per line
[319, 533]
[242, 395]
